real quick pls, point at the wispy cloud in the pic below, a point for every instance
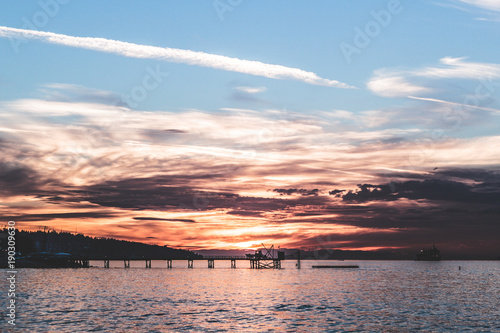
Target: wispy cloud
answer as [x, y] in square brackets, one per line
[457, 68]
[393, 84]
[489, 8]
[493, 5]
[420, 81]
[174, 55]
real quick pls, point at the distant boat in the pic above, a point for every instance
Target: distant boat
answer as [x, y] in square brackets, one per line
[431, 254]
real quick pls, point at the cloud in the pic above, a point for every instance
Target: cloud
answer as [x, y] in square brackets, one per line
[492, 5]
[457, 68]
[429, 189]
[477, 175]
[335, 192]
[393, 84]
[247, 94]
[489, 8]
[251, 90]
[425, 80]
[64, 92]
[16, 178]
[162, 219]
[152, 173]
[48, 217]
[174, 55]
[301, 191]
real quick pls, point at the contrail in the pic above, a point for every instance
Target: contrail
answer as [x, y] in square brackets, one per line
[174, 55]
[495, 111]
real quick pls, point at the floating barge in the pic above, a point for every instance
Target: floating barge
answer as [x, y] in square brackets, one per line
[335, 266]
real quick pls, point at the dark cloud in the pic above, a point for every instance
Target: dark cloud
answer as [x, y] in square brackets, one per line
[175, 131]
[48, 217]
[155, 193]
[335, 192]
[163, 193]
[301, 191]
[161, 219]
[456, 209]
[368, 192]
[246, 213]
[456, 174]
[17, 179]
[432, 189]
[477, 175]
[162, 135]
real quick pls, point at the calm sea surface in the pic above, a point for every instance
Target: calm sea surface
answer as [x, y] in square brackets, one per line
[380, 296]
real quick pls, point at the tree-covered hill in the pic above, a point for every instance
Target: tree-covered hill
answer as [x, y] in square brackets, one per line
[90, 247]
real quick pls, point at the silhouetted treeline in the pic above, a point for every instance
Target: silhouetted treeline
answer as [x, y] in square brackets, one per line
[90, 247]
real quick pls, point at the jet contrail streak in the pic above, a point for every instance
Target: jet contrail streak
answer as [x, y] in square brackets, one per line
[495, 111]
[174, 55]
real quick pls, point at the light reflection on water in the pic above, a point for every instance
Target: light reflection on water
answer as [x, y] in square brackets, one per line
[380, 296]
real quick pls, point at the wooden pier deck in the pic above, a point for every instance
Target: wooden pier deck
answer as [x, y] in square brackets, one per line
[255, 263]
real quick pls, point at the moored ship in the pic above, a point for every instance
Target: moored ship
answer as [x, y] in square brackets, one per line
[431, 254]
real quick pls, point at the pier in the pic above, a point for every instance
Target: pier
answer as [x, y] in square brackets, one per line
[271, 259]
[254, 263]
[268, 258]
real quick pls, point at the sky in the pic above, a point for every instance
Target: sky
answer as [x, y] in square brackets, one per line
[224, 124]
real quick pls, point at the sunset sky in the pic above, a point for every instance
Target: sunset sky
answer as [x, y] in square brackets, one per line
[227, 124]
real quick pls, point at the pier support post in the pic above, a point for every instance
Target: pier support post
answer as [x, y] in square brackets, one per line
[298, 259]
[148, 263]
[106, 263]
[277, 263]
[233, 263]
[169, 263]
[254, 263]
[190, 263]
[211, 263]
[126, 263]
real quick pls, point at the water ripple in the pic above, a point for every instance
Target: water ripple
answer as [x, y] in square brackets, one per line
[380, 297]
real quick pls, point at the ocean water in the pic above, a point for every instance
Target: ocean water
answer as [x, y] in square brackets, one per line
[380, 296]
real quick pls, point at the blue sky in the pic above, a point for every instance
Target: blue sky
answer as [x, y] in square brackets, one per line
[252, 104]
[295, 34]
